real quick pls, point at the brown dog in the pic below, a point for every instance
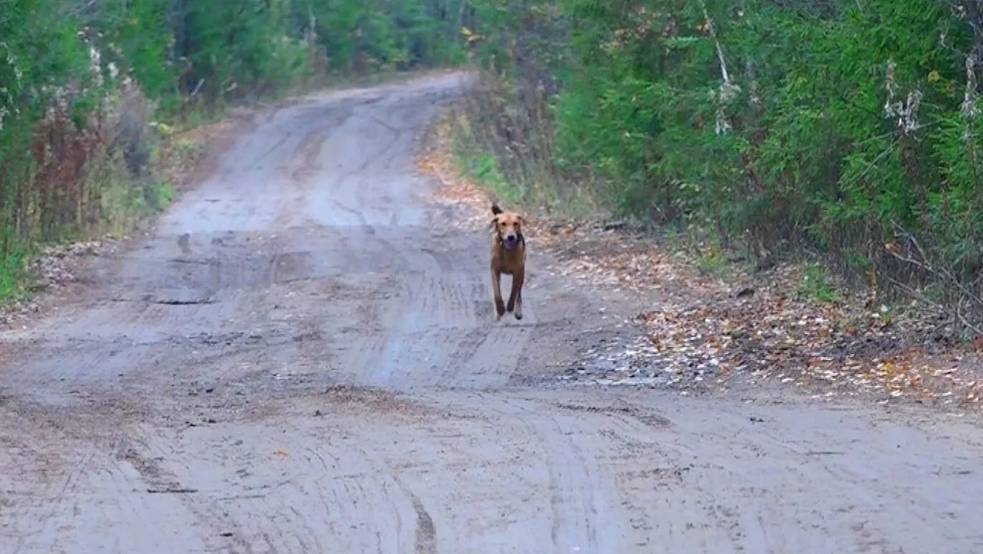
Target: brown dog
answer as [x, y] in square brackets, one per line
[508, 255]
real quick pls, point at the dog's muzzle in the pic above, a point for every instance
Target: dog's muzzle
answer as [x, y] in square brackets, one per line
[510, 242]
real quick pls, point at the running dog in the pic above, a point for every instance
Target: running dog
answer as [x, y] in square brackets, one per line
[508, 255]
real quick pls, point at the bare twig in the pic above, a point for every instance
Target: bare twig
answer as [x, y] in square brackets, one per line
[966, 297]
[197, 88]
[716, 41]
[915, 294]
[172, 490]
[962, 318]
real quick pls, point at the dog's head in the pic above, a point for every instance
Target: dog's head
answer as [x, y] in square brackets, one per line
[507, 226]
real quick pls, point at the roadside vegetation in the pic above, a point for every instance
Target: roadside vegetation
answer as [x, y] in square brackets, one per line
[842, 134]
[94, 95]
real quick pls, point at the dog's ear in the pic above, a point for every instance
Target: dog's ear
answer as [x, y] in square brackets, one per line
[495, 209]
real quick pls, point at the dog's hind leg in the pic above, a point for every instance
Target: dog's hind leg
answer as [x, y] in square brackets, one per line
[515, 299]
[497, 289]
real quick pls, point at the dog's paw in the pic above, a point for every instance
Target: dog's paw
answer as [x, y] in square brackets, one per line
[510, 307]
[518, 314]
[500, 308]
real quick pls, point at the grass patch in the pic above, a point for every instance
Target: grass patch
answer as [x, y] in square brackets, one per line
[13, 277]
[193, 116]
[481, 166]
[123, 204]
[815, 286]
[160, 196]
[713, 261]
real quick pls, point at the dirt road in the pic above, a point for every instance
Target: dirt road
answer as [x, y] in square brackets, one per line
[303, 358]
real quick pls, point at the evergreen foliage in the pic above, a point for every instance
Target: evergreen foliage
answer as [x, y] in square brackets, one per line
[837, 126]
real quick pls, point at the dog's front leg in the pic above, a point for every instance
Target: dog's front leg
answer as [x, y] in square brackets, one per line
[497, 289]
[515, 299]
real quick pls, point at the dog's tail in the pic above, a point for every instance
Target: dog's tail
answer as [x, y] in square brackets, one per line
[495, 209]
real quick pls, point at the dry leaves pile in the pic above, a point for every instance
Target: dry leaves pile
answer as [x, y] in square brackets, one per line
[830, 350]
[56, 266]
[55, 269]
[700, 332]
[468, 201]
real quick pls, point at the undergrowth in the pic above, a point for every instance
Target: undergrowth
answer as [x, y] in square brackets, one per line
[816, 286]
[836, 130]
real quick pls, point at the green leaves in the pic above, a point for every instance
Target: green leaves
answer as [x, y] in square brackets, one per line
[836, 122]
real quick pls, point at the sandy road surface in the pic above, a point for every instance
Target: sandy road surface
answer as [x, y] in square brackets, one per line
[302, 359]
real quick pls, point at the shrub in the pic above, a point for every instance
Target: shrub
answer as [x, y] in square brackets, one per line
[846, 127]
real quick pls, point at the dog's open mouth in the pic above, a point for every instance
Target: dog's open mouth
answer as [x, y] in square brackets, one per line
[510, 242]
